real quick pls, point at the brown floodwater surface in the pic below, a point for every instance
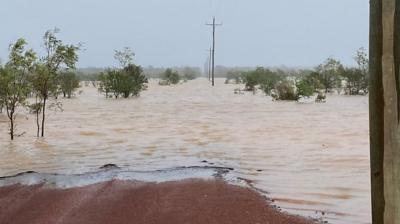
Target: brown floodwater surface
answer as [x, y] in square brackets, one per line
[313, 159]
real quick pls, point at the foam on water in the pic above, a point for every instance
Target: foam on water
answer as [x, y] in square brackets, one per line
[65, 181]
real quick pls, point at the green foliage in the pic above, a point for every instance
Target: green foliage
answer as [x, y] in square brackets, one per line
[285, 90]
[304, 89]
[170, 77]
[124, 57]
[126, 82]
[68, 83]
[107, 83]
[14, 82]
[314, 79]
[133, 81]
[360, 80]
[265, 78]
[234, 76]
[330, 74]
[58, 56]
[190, 73]
[356, 81]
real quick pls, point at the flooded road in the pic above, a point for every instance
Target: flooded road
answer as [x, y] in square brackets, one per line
[307, 156]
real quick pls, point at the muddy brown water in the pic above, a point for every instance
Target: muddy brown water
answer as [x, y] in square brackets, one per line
[313, 159]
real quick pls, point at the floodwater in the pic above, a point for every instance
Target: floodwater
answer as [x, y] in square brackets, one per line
[312, 159]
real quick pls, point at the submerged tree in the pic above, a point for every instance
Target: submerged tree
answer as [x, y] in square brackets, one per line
[190, 73]
[125, 82]
[14, 83]
[285, 90]
[68, 83]
[262, 77]
[124, 57]
[330, 72]
[235, 77]
[58, 56]
[355, 81]
[303, 89]
[133, 81]
[170, 77]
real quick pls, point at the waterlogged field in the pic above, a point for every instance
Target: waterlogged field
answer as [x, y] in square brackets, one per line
[312, 159]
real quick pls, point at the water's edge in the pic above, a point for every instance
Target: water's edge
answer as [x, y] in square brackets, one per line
[110, 172]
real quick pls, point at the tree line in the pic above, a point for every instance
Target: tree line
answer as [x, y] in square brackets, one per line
[327, 77]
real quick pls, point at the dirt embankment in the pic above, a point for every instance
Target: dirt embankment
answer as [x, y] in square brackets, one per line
[120, 202]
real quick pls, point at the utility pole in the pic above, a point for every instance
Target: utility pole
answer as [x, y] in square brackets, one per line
[209, 64]
[213, 24]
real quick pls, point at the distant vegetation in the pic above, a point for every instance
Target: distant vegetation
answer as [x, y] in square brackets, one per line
[150, 72]
[170, 77]
[328, 77]
[187, 73]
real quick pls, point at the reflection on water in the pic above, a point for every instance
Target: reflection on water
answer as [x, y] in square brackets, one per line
[308, 156]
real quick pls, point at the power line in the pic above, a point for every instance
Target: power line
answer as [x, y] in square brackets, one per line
[213, 24]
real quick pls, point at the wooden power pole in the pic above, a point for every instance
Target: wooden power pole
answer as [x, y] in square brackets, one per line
[385, 110]
[213, 24]
[209, 64]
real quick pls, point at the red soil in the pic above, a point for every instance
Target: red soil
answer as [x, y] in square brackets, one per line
[120, 202]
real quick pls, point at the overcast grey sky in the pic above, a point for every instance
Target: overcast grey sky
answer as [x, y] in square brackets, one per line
[173, 32]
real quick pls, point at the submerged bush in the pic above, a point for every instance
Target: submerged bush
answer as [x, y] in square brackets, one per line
[234, 77]
[170, 77]
[285, 90]
[125, 82]
[303, 89]
[262, 77]
[321, 98]
[69, 82]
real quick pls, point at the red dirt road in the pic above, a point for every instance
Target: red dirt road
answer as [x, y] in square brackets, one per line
[126, 202]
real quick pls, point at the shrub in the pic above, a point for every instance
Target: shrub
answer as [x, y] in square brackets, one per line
[303, 89]
[235, 77]
[265, 78]
[356, 81]
[170, 77]
[125, 82]
[285, 90]
[321, 98]
[69, 82]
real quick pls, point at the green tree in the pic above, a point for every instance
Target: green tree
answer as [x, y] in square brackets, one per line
[330, 71]
[124, 57]
[170, 77]
[14, 82]
[190, 73]
[314, 79]
[285, 90]
[304, 89]
[236, 76]
[58, 56]
[363, 65]
[125, 82]
[68, 82]
[355, 80]
[134, 81]
[262, 77]
[106, 82]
